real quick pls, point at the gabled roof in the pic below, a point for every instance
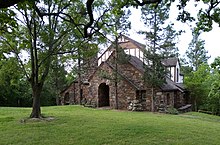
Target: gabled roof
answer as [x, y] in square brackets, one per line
[91, 75]
[170, 61]
[137, 63]
[169, 85]
[131, 42]
[136, 86]
[181, 86]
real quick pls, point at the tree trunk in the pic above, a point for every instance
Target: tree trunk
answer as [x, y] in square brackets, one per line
[116, 95]
[79, 79]
[36, 111]
[152, 100]
[195, 104]
[116, 74]
[57, 99]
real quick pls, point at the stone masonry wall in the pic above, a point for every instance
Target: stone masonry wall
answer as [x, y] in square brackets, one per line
[127, 93]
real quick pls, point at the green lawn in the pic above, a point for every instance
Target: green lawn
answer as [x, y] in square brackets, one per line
[78, 125]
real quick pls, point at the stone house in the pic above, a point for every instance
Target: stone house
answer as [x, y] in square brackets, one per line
[99, 87]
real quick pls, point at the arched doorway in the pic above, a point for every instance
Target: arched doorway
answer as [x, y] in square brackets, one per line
[103, 95]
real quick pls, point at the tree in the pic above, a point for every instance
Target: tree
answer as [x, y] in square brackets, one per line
[216, 64]
[56, 80]
[160, 44]
[118, 24]
[8, 3]
[198, 85]
[197, 71]
[206, 16]
[46, 31]
[196, 52]
[168, 46]
[213, 100]
[14, 89]
[7, 20]
[161, 34]
[40, 40]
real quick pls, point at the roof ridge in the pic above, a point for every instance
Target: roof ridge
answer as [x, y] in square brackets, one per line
[138, 44]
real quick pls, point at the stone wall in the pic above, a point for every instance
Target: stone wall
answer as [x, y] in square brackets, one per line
[89, 66]
[164, 100]
[125, 92]
[179, 100]
[135, 76]
[90, 92]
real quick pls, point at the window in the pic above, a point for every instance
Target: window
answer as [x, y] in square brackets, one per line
[132, 52]
[177, 75]
[127, 51]
[168, 99]
[141, 95]
[137, 53]
[67, 99]
[141, 55]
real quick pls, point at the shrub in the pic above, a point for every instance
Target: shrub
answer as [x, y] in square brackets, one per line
[172, 110]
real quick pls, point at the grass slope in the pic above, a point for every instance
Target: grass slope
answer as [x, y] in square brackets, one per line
[78, 125]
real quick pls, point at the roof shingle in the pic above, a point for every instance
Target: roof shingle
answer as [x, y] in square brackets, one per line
[170, 61]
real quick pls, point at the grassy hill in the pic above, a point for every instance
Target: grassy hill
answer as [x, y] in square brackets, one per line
[79, 125]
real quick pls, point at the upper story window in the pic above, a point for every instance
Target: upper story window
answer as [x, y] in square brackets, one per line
[177, 75]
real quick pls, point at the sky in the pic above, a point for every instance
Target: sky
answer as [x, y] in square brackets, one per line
[211, 38]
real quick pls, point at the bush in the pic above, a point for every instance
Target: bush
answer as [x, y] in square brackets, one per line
[172, 110]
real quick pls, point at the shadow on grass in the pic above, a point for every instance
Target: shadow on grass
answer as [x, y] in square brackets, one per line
[42, 119]
[7, 119]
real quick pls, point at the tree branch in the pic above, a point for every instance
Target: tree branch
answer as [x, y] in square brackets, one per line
[42, 14]
[91, 18]
[97, 24]
[145, 2]
[15, 51]
[213, 4]
[8, 3]
[52, 52]
[71, 20]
